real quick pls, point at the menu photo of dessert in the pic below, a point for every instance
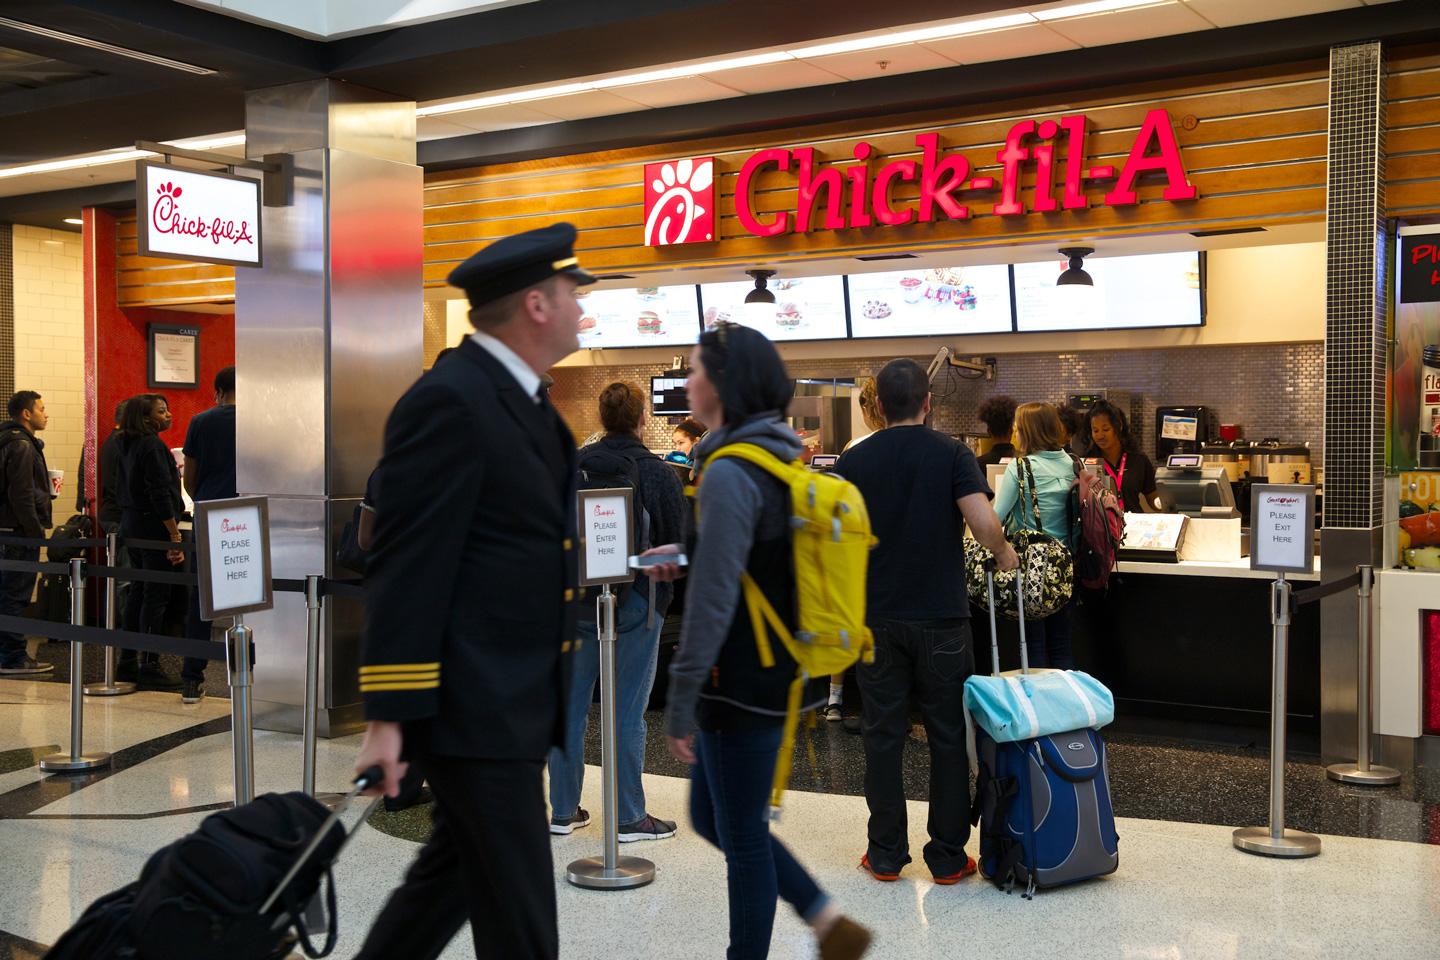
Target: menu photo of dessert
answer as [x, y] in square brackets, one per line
[805, 308]
[644, 316]
[930, 302]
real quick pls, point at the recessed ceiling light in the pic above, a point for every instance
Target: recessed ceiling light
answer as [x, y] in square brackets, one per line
[117, 156]
[1098, 6]
[104, 47]
[75, 220]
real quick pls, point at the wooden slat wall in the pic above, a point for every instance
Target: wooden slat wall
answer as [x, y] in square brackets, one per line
[152, 282]
[1257, 156]
[1412, 142]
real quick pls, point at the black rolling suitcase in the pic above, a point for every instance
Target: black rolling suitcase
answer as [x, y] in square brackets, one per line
[245, 886]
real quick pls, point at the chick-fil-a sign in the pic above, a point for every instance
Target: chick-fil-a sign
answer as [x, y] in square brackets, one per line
[194, 215]
[1043, 169]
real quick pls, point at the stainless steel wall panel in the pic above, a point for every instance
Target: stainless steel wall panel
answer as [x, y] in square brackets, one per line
[320, 114]
[297, 548]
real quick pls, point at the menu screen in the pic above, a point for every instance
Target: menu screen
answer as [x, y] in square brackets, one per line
[918, 303]
[1155, 290]
[649, 316]
[805, 308]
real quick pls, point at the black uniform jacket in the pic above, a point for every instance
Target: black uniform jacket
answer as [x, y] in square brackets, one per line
[470, 599]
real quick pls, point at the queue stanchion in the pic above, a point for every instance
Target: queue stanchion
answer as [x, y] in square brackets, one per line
[332, 801]
[111, 687]
[1275, 840]
[1362, 771]
[610, 871]
[241, 653]
[76, 759]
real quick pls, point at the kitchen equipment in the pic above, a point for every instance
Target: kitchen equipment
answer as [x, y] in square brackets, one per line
[1274, 462]
[1182, 429]
[1230, 432]
[1233, 458]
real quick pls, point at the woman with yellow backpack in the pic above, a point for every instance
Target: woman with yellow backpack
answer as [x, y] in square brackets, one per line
[728, 677]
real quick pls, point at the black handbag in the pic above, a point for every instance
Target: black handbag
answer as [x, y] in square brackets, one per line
[1046, 563]
[348, 554]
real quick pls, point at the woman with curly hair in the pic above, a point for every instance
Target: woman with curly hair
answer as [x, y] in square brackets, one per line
[998, 415]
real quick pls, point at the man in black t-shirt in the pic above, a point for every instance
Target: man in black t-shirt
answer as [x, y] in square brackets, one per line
[921, 488]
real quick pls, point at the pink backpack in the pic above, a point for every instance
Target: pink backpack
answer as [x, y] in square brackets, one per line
[1102, 527]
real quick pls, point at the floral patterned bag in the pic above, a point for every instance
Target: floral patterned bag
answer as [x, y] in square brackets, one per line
[1046, 562]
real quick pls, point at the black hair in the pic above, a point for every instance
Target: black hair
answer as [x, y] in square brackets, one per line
[22, 401]
[901, 386]
[1070, 418]
[136, 420]
[225, 380]
[1104, 408]
[119, 411]
[747, 372]
[998, 415]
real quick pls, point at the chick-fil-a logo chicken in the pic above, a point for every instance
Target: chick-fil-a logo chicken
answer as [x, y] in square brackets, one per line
[227, 527]
[168, 216]
[680, 201]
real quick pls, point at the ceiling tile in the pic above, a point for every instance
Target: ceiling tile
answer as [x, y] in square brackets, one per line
[768, 77]
[438, 128]
[1122, 26]
[1234, 13]
[502, 117]
[39, 183]
[1031, 40]
[587, 103]
[670, 93]
[864, 64]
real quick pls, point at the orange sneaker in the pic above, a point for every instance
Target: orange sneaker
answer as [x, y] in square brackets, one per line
[887, 877]
[965, 871]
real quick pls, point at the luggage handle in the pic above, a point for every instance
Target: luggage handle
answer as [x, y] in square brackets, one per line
[990, 568]
[371, 777]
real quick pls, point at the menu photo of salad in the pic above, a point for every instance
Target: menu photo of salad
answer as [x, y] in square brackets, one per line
[647, 316]
[805, 308]
[930, 302]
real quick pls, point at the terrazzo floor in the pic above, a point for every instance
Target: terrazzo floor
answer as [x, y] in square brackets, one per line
[1182, 890]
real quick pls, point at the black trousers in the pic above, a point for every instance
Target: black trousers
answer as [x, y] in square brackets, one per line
[929, 659]
[488, 862]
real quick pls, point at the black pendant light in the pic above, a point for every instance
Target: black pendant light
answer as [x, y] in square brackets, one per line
[760, 294]
[1076, 273]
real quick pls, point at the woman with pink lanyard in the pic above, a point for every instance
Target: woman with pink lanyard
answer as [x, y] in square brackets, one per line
[1125, 463]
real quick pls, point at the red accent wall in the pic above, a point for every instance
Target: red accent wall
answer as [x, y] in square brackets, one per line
[116, 343]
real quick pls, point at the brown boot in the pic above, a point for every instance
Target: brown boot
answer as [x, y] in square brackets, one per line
[847, 940]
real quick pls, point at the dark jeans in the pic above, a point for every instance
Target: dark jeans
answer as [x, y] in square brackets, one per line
[1047, 641]
[930, 660]
[195, 629]
[729, 806]
[146, 605]
[16, 589]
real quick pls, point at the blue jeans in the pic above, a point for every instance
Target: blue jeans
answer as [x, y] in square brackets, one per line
[1048, 640]
[16, 589]
[729, 806]
[637, 647]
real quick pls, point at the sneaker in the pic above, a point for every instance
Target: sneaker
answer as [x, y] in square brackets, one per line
[154, 677]
[847, 940]
[852, 725]
[832, 713]
[562, 826]
[25, 666]
[965, 871]
[194, 692]
[647, 828]
[422, 796]
[877, 874]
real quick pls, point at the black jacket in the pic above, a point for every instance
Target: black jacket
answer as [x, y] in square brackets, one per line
[470, 595]
[110, 509]
[26, 504]
[148, 481]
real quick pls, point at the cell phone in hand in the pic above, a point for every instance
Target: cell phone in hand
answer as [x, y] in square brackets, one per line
[654, 559]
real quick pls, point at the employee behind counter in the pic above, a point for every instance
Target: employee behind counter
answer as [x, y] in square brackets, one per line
[1124, 462]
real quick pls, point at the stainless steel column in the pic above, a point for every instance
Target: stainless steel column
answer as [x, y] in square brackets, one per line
[328, 334]
[1362, 771]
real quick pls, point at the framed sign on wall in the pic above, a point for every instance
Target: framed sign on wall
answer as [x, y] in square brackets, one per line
[172, 356]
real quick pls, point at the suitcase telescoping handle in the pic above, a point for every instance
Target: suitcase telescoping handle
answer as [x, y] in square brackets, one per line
[990, 567]
[371, 777]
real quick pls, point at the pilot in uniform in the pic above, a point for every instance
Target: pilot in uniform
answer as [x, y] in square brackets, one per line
[470, 607]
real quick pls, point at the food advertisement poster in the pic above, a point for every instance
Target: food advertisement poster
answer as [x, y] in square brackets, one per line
[1154, 290]
[643, 317]
[921, 303]
[1414, 435]
[805, 308]
[1420, 520]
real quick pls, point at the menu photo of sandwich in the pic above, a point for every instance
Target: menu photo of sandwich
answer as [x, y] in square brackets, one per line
[788, 314]
[648, 322]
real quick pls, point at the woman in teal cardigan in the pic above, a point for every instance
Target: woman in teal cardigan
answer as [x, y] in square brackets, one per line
[1040, 439]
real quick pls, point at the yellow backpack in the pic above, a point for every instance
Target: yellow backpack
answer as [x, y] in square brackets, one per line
[832, 541]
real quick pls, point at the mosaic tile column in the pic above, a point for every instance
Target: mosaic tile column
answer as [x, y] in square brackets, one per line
[7, 310]
[1355, 318]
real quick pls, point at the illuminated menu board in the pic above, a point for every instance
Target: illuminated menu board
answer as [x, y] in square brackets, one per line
[646, 317]
[805, 308]
[1154, 290]
[921, 303]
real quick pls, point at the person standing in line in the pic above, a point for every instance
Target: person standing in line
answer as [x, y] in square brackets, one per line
[24, 512]
[110, 510]
[469, 622]
[637, 634]
[148, 489]
[1040, 440]
[998, 415]
[209, 475]
[716, 680]
[921, 488]
[1073, 422]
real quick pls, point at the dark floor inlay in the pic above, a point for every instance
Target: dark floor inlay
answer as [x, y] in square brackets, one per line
[12, 760]
[13, 947]
[153, 815]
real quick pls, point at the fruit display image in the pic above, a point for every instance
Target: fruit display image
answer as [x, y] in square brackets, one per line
[1419, 513]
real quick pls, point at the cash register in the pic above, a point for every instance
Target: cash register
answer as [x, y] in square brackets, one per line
[1187, 485]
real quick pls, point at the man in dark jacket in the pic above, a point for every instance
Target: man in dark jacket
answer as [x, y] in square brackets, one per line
[24, 512]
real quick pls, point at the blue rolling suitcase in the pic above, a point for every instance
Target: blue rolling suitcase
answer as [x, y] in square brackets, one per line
[1042, 796]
